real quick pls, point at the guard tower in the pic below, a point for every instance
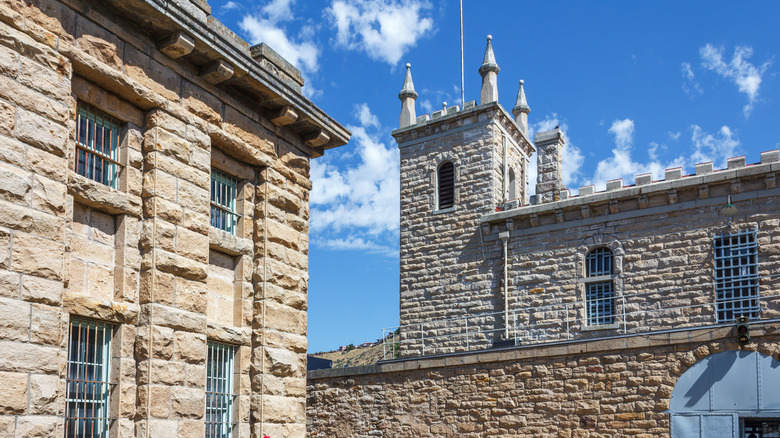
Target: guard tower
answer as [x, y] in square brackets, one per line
[456, 165]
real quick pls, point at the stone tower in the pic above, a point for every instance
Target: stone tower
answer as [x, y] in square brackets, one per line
[456, 165]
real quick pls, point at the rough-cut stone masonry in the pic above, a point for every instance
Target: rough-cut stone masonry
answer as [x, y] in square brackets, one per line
[660, 233]
[190, 97]
[591, 389]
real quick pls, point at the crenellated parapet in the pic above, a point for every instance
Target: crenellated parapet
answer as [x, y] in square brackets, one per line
[706, 187]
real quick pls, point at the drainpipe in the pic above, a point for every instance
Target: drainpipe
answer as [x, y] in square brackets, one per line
[506, 171]
[504, 236]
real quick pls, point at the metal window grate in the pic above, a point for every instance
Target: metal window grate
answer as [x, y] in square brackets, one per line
[223, 201]
[219, 390]
[97, 145]
[599, 296]
[87, 386]
[736, 275]
[599, 262]
[446, 185]
[600, 302]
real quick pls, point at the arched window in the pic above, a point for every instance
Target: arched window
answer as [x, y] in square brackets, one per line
[599, 287]
[446, 185]
[512, 191]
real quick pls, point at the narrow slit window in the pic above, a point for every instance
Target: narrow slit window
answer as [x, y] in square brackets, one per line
[599, 295]
[220, 395]
[88, 385]
[97, 145]
[224, 189]
[736, 275]
[446, 185]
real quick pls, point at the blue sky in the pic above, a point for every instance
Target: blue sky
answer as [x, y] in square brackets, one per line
[637, 86]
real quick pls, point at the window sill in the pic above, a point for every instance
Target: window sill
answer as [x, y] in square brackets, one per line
[445, 210]
[228, 243]
[598, 278]
[593, 328]
[102, 197]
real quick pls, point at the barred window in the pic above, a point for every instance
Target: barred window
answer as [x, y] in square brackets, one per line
[599, 293]
[736, 275]
[446, 185]
[97, 145]
[88, 385]
[220, 394]
[223, 201]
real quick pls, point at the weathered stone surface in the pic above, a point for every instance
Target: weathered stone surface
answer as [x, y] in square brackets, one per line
[40, 132]
[102, 197]
[100, 309]
[13, 393]
[14, 320]
[46, 395]
[281, 362]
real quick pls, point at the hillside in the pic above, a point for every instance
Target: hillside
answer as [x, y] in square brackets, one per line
[357, 356]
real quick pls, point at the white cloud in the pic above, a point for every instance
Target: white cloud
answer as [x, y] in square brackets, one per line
[229, 6]
[302, 54]
[361, 200]
[278, 10]
[383, 29]
[746, 76]
[365, 116]
[674, 136]
[623, 165]
[717, 148]
[690, 86]
[359, 244]
[572, 156]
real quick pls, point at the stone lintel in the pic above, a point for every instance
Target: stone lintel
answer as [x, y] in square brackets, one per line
[285, 116]
[218, 72]
[316, 139]
[177, 45]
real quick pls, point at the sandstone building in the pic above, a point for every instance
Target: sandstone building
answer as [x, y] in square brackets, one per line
[154, 183]
[604, 314]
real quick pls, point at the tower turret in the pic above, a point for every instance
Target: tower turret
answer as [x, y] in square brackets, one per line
[408, 97]
[489, 72]
[521, 110]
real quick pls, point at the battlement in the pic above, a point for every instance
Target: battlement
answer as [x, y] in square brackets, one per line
[737, 178]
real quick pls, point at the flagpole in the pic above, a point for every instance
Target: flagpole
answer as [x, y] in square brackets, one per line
[462, 81]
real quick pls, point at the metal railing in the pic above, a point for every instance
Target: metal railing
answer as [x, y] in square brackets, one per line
[634, 313]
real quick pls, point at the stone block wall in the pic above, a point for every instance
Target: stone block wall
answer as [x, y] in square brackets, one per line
[441, 252]
[661, 234]
[607, 388]
[143, 256]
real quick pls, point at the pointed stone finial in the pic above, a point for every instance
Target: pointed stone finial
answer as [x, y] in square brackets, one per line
[489, 72]
[521, 110]
[408, 97]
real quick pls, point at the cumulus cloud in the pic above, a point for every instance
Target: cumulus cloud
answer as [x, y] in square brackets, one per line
[356, 206]
[383, 29]
[303, 54]
[690, 86]
[718, 147]
[623, 164]
[572, 156]
[746, 76]
[278, 10]
[229, 6]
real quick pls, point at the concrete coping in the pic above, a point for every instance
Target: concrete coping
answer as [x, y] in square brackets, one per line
[770, 162]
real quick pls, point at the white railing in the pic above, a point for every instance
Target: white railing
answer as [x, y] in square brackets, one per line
[635, 313]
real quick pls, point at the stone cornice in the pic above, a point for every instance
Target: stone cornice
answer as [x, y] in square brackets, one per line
[274, 82]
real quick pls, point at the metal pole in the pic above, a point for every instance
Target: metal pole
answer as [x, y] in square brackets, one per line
[422, 338]
[566, 306]
[468, 347]
[384, 345]
[462, 82]
[514, 323]
[504, 236]
[625, 329]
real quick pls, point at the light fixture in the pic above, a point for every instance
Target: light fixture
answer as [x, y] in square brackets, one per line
[729, 209]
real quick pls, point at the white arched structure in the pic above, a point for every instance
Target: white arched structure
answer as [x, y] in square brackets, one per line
[721, 393]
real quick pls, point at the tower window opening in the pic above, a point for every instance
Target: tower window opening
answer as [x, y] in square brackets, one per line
[446, 185]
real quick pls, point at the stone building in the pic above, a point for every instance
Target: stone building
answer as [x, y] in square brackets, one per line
[154, 184]
[597, 315]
